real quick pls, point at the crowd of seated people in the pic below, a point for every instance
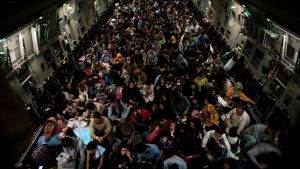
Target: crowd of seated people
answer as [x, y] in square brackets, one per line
[154, 95]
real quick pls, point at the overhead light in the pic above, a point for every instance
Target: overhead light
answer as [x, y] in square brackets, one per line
[41, 17]
[268, 20]
[209, 2]
[246, 13]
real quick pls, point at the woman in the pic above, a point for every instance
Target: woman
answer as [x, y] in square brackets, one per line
[160, 87]
[152, 134]
[237, 92]
[131, 94]
[51, 132]
[148, 92]
[209, 114]
[169, 137]
[122, 159]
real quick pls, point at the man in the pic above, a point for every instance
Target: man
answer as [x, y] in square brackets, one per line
[122, 159]
[253, 134]
[75, 151]
[215, 144]
[100, 128]
[149, 152]
[92, 107]
[94, 156]
[237, 117]
[174, 159]
[118, 112]
[272, 156]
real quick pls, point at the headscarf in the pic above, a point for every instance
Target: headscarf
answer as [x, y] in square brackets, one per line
[47, 133]
[238, 87]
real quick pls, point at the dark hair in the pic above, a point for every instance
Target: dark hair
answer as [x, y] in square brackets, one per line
[173, 166]
[211, 99]
[118, 101]
[123, 145]
[197, 123]
[164, 73]
[90, 105]
[66, 141]
[141, 148]
[218, 129]
[241, 106]
[229, 161]
[70, 132]
[97, 115]
[233, 132]
[91, 145]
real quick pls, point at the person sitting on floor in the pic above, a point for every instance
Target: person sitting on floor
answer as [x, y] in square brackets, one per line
[172, 158]
[271, 156]
[237, 91]
[237, 117]
[259, 133]
[149, 152]
[100, 128]
[118, 112]
[75, 151]
[215, 144]
[122, 159]
[94, 156]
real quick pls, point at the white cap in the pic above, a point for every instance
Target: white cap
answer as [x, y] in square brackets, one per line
[232, 140]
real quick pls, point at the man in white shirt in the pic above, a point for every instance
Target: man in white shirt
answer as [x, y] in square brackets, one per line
[215, 144]
[237, 117]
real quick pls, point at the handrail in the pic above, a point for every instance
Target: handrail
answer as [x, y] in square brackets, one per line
[33, 140]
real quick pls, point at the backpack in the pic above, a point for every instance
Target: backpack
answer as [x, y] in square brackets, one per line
[119, 93]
